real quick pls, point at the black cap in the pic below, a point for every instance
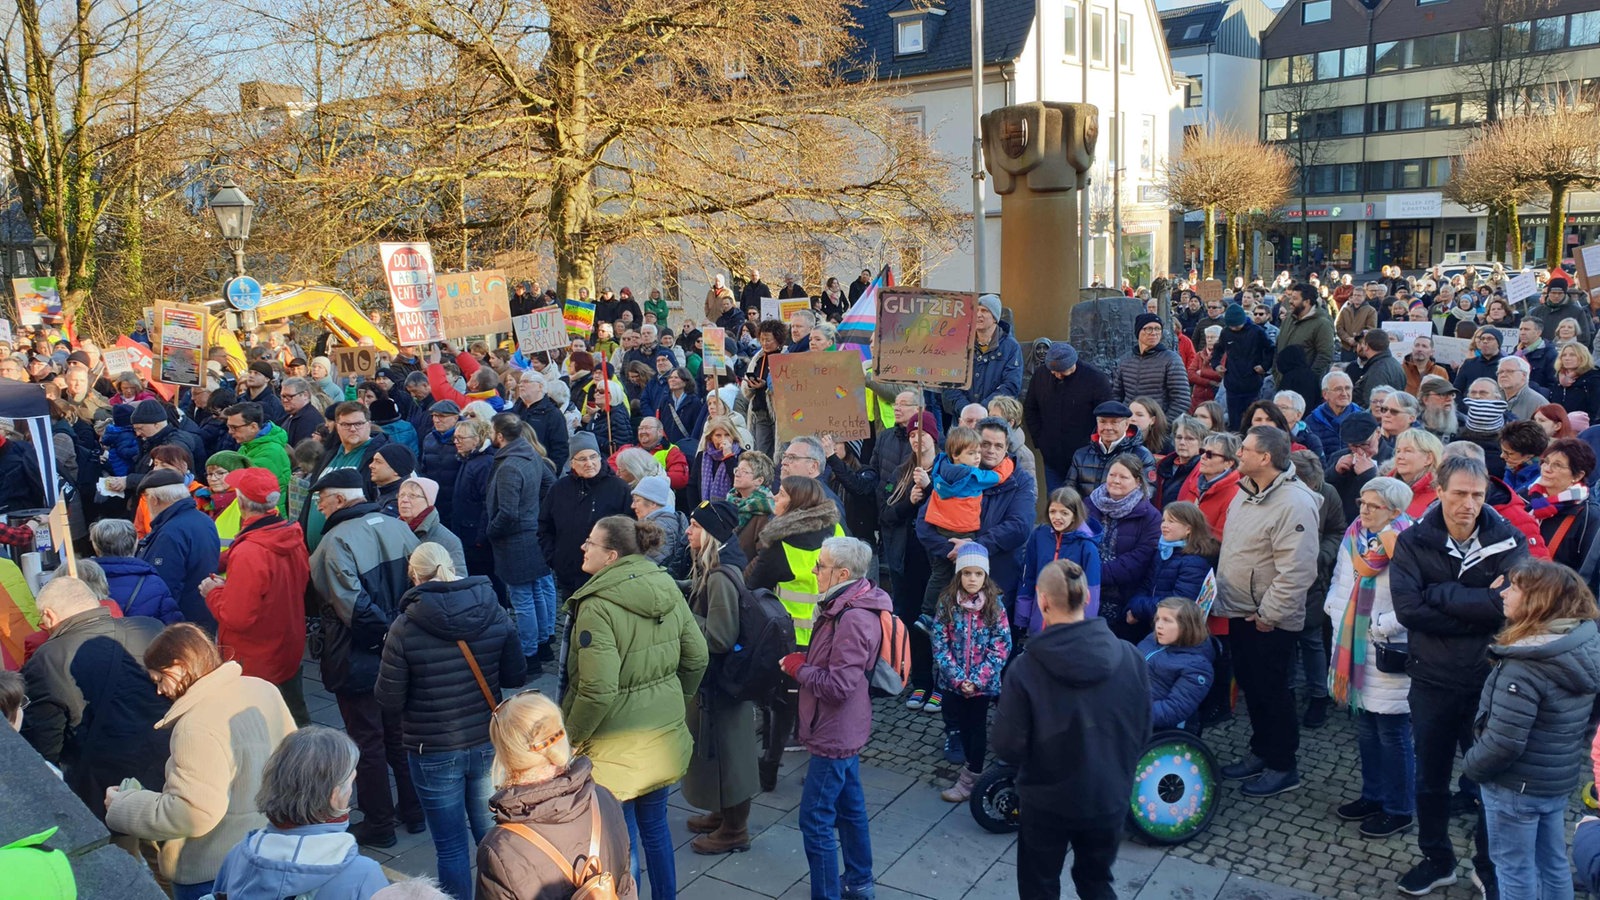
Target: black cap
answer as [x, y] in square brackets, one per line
[149, 412]
[159, 478]
[719, 518]
[1358, 428]
[1113, 409]
[337, 479]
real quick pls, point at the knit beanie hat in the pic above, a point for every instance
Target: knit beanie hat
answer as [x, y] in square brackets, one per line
[429, 487]
[1061, 356]
[656, 489]
[399, 457]
[580, 442]
[991, 302]
[972, 555]
[1143, 319]
[1234, 316]
[149, 412]
[718, 517]
[232, 460]
[383, 409]
[1485, 414]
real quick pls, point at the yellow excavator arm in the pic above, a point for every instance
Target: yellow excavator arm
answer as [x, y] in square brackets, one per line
[329, 306]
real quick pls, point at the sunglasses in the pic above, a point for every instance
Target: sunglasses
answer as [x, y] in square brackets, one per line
[1212, 454]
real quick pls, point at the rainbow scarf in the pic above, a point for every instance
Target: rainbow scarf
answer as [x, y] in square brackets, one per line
[1543, 504]
[1369, 555]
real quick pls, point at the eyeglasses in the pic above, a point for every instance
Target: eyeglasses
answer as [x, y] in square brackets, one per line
[354, 424]
[239, 427]
[290, 396]
[1372, 507]
[1212, 454]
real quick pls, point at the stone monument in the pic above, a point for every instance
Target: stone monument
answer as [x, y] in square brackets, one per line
[1039, 156]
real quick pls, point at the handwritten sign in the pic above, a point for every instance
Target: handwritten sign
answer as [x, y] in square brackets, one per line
[714, 352]
[1209, 290]
[357, 361]
[1521, 287]
[1451, 351]
[1403, 334]
[819, 392]
[36, 299]
[474, 303]
[1588, 262]
[540, 330]
[926, 337]
[579, 316]
[408, 269]
[182, 345]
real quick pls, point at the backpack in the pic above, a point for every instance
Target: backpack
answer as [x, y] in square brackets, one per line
[591, 881]
[892, 669]
[766, 635]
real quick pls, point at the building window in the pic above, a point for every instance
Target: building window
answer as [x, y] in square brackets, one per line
[1355, 62]
[1550, 34]
[1328, 64]
[1276, 127]
[908, 37]
[1428, 2]
[1069, 31]
[1125, 42]
[1585, 29]
[1278, 71]
[914, 120]
[1516, 37]
[1315, 11]
[1194, 93]
[1192, 32]
[1097, 37]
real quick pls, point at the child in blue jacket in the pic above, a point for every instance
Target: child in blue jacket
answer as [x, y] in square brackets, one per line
[122, 445]
[1178, 655]
[1066, 535]
[1186, 555]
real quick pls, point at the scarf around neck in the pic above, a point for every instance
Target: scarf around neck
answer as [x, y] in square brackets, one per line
[1114, 509]
[1544, 504]
[759, 503]
[1369, 556]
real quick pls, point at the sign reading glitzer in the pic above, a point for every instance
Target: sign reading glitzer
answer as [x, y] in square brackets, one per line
[408, 268]
[925, 337]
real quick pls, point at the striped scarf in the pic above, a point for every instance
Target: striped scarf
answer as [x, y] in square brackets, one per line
[1543, 504]
[1369, 556]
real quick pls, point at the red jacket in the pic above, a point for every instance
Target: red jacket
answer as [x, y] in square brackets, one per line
[439, 385]
[672, 461]
[1215, 503]
[1423, 493]
[260, 609]
[1514, 508]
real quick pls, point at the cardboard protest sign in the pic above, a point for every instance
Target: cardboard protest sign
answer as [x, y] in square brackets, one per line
[1210, 289]
[182, 343]
[355, 361]
[474, 303]
[1588, 261]
[36, 299]
[771, 309]
[926, 337]
[579, 316]
[787, 308]
[819, 392]
[540, 330]
[1521, 287]
[1402, 334]
[1451, 351]
[5, 332]
[140, 361]
[714, 355]
[408, 269]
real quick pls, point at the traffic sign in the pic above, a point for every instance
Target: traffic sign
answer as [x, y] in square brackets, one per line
[243, 293]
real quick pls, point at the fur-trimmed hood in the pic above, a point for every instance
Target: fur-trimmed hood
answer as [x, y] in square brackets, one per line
[799, 521]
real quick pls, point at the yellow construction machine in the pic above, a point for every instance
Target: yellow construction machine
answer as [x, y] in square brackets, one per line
[329, 306]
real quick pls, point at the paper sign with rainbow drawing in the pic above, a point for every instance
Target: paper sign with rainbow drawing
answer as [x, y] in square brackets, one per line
[820, 392]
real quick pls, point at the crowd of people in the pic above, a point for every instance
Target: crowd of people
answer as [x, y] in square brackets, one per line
[1260, 501]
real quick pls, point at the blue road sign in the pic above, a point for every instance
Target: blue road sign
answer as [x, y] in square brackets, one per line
[243, 293]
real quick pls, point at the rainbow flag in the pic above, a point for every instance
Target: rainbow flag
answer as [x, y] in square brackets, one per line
[579, 318]
[860, 323]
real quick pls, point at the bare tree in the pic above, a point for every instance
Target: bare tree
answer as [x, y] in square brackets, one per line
[1481, 179]
[1225, 171]
[1497, 59]
[1310, 122]
[1556, 151]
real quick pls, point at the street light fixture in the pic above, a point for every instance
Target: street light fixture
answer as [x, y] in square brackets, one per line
[233, 211]
[44, 252]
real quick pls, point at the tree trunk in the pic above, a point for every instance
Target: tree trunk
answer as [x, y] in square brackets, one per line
[1493, 251]
[571, 198]
[1209, 249]
[1514, 227]
[1231, 262]
[1555, 240]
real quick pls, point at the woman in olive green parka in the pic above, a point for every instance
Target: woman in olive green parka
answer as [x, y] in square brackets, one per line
[635, 655]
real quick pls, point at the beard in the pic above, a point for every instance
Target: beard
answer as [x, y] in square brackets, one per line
[1440, 421]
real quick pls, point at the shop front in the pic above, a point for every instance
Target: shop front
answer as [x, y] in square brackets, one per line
[1407, 243]
[1324, 238]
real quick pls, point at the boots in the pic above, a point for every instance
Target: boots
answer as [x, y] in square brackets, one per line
[732, 837]
[768, 772]
[707, 823]
[961, 791]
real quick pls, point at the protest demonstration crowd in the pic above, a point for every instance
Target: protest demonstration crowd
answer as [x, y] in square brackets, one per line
[1284, 500]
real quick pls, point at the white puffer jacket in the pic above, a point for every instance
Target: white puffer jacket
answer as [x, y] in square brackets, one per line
[1381, 692]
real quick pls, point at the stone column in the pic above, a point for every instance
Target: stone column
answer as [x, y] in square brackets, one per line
[1039, 156]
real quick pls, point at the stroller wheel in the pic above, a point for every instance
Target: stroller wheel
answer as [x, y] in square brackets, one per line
[1174, 789]
[994, 802]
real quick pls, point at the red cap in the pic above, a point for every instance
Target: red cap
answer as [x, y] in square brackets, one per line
[255, 485]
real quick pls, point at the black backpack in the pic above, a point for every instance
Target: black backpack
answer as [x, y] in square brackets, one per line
[766, 635]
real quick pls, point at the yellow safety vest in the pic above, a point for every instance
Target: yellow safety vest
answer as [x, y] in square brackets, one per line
[799, 594]
[228, 523]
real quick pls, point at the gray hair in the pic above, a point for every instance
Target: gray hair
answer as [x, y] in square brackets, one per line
[1226, 441]
[167, 494]
[559, 393]
[1463, 465]
[1394, 493]
[635, 463]
[354, 495]
[1332, 378]
[298, 385]
[828, 330]
[805, 315]
[813, 448]
[1464, 450]
[299, 780]
[648, 331]
[852, 554]
[1490, 382]
[431, 562]
[90, 573]
[1515, 362]
[66, 596]
[1294, 398]
[113, 537]
[1191, 426]
[1413, 406]
[418, 888]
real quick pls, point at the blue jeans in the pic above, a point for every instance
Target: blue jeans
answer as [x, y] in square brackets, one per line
[523, 603]
[544, 597]
[832, 798]
[454, 788]
[1528, 843]
[1388, 761]
[648, 831]
[191, 891]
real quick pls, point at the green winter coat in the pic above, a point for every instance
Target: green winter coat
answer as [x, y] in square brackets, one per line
[270, 450]
[634, 657]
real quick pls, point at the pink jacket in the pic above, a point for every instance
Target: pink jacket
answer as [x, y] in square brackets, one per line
[835, 708]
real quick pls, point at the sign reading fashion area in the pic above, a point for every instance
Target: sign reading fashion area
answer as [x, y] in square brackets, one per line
[817, 393]
[925, 337]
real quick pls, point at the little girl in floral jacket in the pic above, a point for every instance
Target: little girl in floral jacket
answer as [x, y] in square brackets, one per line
[971, 640]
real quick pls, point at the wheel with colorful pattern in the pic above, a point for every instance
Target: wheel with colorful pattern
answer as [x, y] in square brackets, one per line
[1174, 788]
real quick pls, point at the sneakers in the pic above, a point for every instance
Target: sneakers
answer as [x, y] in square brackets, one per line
[953, 752]
[1384, 825]
[1427, 875]
[1359, 810]
[1249, 767]
[924, 624]
[1463, 804]
[1271, 783]
[935, 702]
[369, 836]
[1316, 713]
[918, 699]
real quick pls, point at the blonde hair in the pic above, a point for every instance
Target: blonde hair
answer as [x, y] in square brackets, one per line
[528, 734]
[1550, 591]
[715, 424]
[431, 562]
[959, 441]
[1191, 621]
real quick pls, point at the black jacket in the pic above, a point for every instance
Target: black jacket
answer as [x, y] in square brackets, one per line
[1244, 350]
[1583, 396]
[512, 513]
[1452, 614]
[578, 503]
[549, 425]
[21, 486]
[469, 518]
[271, 404]
[1077, 694]
[303, 424]
[424, 675]
[438, 461]
[1059, 413]
[168, 435]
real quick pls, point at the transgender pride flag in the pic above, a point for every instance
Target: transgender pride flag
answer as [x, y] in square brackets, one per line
[861, 322]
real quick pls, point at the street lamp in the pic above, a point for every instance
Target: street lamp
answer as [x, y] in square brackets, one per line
[44, 252]
[233, 211]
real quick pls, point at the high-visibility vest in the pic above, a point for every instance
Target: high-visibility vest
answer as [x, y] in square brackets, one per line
[228, 523]
[799, 595]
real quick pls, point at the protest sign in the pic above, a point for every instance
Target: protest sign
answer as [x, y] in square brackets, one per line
[408, 269]
[1588, 261]
[36, 298]
[771, 309]
[787, 308]
[1402, 334]
[474, 303]
[182, 330]
[714, 356]
[1450, 351]
[579, 316]
[5, 332]
[355, 361]
[1521, 287]
[540, 330]
[1209, 290]
[925, 337]
[140, 361]
[819, 392]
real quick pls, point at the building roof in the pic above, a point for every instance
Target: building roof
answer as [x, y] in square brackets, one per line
[1193, 26]
[1005, 29]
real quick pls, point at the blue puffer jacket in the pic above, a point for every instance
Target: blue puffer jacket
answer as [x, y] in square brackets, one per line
[997, 370]
[400, 431]
[122, 449]
[1179, 575]
[1180, 678]
[438, 461]
[1003, 527]
[1081, 545]
[1325, 425]
[138, 588]
[183, 547]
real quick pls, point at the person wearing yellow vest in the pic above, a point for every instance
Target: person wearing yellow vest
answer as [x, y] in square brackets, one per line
[652, 440]
[786, 560]
[217, 499]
